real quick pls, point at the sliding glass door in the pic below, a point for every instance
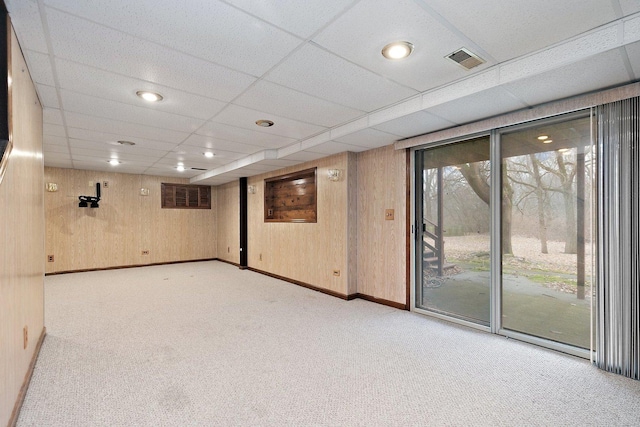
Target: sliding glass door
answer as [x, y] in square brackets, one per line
[454, 230]
[530, 274]
[546, 231]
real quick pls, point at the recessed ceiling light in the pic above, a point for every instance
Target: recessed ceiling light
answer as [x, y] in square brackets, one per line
[122, 142]
[180, 168]
[149, 96]
[264, 123]
[208, 154]
[543, 137]
[547, 141]
[564, 150]
[397, 50]
[114, 162]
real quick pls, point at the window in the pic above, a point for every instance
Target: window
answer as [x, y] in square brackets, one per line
[184, 196]
[291, 198]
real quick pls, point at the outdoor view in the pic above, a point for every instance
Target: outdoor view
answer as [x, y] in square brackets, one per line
[545, 234]
[455, 241]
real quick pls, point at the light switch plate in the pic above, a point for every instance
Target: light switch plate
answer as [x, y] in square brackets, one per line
[389, 214]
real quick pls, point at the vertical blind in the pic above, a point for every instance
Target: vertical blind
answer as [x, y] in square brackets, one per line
[617, 302]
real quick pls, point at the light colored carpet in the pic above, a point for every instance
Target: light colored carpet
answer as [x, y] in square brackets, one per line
[205, 344]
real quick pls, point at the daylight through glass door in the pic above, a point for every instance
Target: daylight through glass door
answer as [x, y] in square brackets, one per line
[504, 231]
[453, 238]
[546, 242]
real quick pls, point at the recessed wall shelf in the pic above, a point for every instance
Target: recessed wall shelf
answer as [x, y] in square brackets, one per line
[291, 198]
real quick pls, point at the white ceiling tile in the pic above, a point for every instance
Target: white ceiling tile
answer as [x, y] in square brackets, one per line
[360, 34]
[191, 153]
[478, 106]
[115, 148]
[170, 172]
[48, 96]
[279, 163]
[242, 135]
[65, 164]
[403, 108]
[126, 130]
[508, 29]
[333, 147]
[146, 61]
[236, 115]
[115, 87]
[207, 143]
[48, 149]
[300, 18]
[304, 156]
[369, 138]
[86, 104]
[104, 161]
[52, 116]
[633, 52]
[103, 51]
[315, 140]
[39, 67]
[109, 139]
[207, 29]
[414, 124]
[350, 127]
[193, 160]
[267, 96]
[54, 140]
[597, 72]
[289, 149]
[106, 167]
[25, 18]
[257, 168]
[53, 130]
[629, 6]
[337, 80]
[106, 155]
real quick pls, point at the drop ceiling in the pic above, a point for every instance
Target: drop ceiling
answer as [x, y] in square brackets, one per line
[312, 67]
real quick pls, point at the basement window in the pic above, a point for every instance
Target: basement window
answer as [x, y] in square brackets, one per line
[185, 196]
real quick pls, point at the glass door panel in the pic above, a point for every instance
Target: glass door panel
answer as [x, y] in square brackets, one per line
[453, 249]
[546, 229]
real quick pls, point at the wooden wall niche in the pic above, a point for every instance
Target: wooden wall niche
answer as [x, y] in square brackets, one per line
[291, 198]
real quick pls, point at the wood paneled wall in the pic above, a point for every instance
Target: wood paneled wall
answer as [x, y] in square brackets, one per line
[307, 252]
[21, 234]
[125, 224]
[229, 221]
[382, 243]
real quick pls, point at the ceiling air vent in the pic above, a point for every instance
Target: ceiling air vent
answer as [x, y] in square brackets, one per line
[465, 58]
[198, 169]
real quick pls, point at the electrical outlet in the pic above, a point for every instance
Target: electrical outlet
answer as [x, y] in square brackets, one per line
[105, 184]
[50, 258]
[25, 337]
[145, 252]
[336, 273]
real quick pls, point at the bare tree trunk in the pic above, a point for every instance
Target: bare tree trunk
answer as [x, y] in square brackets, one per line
[540, 198]
[479, 184]
[507, 213]
[571, 238]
